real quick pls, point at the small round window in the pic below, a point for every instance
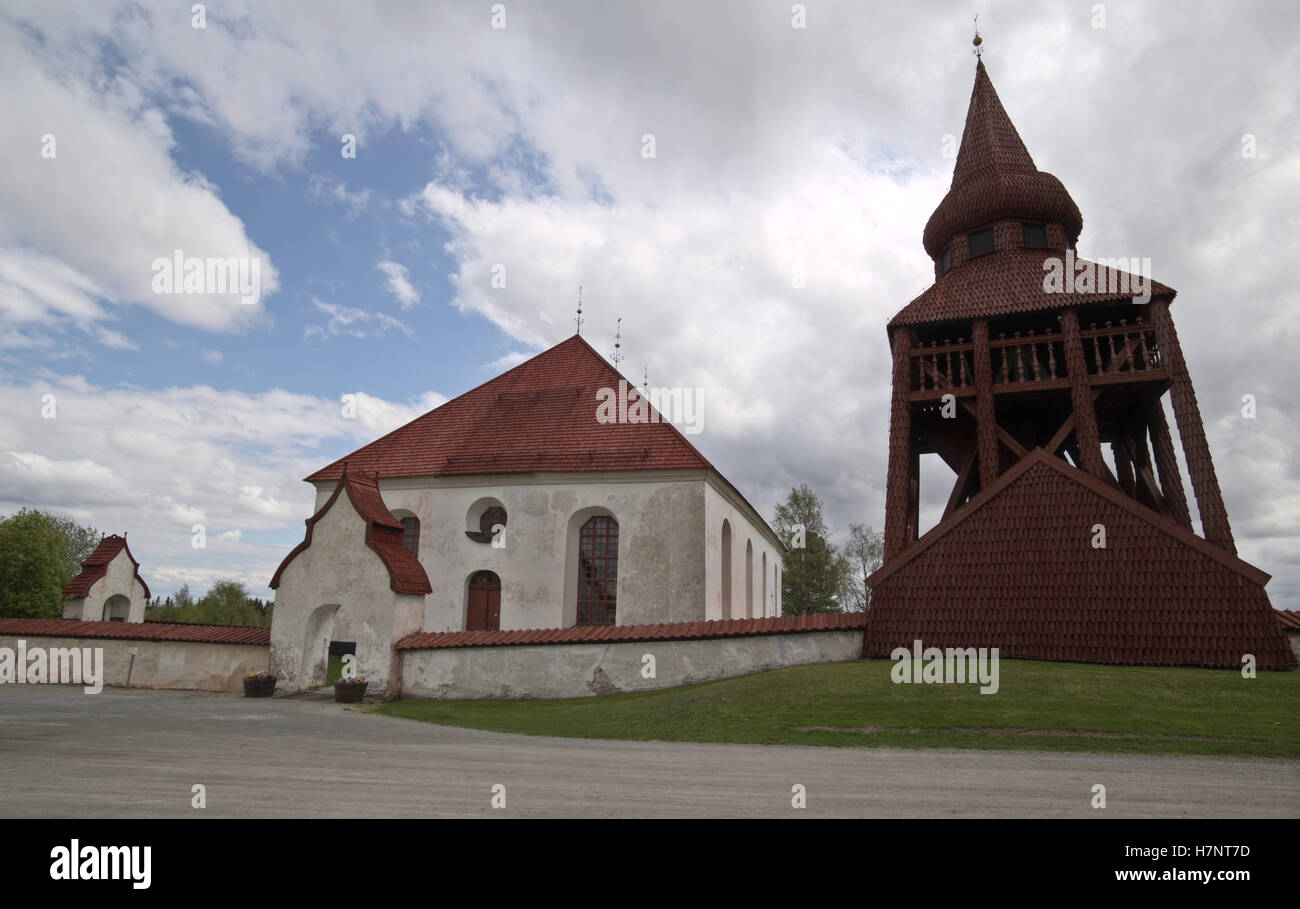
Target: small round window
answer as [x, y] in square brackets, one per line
[491, 518]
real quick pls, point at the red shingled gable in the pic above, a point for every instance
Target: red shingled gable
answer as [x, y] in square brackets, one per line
[995, 177]
[538, 416]
[1288, 619]
[1014, 568]
[96, 566]
[138, 631]
[1011, 281]
[612, 634]
[383, 535]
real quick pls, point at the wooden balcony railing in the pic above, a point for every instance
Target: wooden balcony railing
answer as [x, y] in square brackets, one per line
[1035, 358]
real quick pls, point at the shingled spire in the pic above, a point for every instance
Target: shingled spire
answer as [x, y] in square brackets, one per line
[995, 177]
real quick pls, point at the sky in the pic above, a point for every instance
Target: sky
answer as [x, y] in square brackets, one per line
[744, 184]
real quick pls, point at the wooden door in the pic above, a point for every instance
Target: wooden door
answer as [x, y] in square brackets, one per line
[484, 610]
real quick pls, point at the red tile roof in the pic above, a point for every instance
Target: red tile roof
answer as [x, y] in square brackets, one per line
[1014, 568]
[138, 631]
[1011, 281]
[995, 177]
[96, 566]
[613, 634]
[1288, 619]
[383, 534]
[538, 416]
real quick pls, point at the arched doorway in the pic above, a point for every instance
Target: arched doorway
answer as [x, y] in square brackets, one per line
[116, 608]
[483, 609]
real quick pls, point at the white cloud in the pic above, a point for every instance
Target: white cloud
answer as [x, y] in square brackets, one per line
[354, 322]
[211, 357]
[84, 227]
[326, 189]
[156, 462]
[399, 283]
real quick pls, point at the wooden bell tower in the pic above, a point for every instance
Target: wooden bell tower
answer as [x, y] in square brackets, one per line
[1023, 367]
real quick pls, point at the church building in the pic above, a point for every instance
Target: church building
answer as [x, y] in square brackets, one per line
[521, 504]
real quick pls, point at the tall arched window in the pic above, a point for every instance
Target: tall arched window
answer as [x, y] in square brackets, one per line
[763, 572]
[598, 571]
[749, 579]
[411, 535]
[726, 569]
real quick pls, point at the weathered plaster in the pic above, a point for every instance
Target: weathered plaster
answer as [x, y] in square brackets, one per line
[581, 670]
[164, 664]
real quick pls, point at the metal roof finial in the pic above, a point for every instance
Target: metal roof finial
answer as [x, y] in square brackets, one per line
[617, 358]
[579, 319]
[977, 41]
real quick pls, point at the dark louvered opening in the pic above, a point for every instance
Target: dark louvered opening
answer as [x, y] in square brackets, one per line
[981, 242]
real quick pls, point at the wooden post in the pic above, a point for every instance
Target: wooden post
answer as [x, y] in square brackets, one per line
[986, 438]
[1085, 416]
[898, 481]
[1205, 485]
[1171, 481]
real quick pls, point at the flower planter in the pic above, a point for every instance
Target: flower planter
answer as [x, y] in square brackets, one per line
[349, 694]
[259, 688]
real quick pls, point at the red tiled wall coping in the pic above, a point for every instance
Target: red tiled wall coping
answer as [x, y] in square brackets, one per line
[138, 631]
[615, 634]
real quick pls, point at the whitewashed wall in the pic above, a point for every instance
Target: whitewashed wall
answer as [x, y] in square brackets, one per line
[582, 670]
[339, 574]
[661, 557]
[722, 504]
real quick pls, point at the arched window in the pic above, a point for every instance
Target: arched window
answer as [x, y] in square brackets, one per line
[763, 572]
[726, 569]
[749, 579]
[598, 571]
[411, 535]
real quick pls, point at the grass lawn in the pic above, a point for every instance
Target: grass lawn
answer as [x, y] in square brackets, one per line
[1039, 706]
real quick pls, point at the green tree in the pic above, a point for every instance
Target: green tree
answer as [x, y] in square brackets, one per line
[225, 603]
[813, 572]
[864, 553]
[39, 554]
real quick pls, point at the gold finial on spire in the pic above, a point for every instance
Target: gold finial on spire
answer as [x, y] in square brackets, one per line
[617, 358]
[579, 318]
[977, 40]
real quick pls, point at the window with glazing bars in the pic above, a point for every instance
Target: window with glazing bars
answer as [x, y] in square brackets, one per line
[598, 571]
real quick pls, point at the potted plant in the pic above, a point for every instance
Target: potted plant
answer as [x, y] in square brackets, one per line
[350, 689]
[259, 684]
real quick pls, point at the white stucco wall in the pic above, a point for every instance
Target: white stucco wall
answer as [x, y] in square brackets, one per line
[339, 573]
[661, 559]
[184, 665]
[581, 670]
[722, 504]
[118, 579]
